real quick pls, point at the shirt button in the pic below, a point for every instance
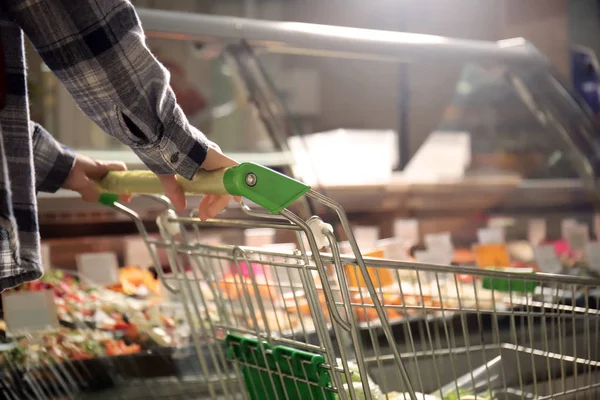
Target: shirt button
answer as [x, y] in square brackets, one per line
[175, 158]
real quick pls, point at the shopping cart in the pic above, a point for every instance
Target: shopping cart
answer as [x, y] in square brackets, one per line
[316, 324]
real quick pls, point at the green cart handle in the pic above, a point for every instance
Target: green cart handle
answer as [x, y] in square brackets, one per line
[263, 186]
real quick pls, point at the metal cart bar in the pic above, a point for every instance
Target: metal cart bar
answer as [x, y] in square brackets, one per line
[326, 40]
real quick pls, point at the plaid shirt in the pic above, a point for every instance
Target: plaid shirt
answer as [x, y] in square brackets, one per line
[97, 50]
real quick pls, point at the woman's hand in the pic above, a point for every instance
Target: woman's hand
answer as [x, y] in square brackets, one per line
[86, 171]
[211, 204]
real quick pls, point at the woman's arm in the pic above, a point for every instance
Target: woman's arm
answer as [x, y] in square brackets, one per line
[97, 49]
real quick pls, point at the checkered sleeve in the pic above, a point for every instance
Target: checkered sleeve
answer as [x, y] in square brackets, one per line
[52, 161]
[97, 49]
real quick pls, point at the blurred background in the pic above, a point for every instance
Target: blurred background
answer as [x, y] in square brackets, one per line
[353, 127]
[461, 133]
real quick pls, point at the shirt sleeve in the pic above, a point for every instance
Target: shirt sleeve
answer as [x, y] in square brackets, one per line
[52, 161]
[97, 49]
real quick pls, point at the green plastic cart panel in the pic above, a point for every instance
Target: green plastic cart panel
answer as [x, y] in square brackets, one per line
[510, 284]
[280, 372]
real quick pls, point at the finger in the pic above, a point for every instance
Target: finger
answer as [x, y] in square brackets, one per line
[173, 191]
[238, 199]
[115, 165]
[205, 203]
[218, 205]
[89, 191]
[124, 198]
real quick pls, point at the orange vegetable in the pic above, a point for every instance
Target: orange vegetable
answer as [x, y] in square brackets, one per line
[168, 322]
[132, 331]
[132, 277]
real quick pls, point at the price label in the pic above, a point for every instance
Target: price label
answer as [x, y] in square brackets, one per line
[536, 231]
[259, 237]
[433, 257]
[593, 256]
[393, 249]
[100, 268]
[30, 311]
[566, 225]
[366, 237]
[491, 255]
[407, 230]
[578, 237]
[492, 235]
[137, 254]
[547, 259]
[439, 242]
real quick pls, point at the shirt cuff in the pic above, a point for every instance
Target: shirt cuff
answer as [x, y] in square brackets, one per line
[52, 160]
[182, 150]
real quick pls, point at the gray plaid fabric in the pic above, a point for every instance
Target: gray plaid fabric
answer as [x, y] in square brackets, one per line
[97, 49]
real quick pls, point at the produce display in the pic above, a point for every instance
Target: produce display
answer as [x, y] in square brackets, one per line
[95, 322]
[131, 318]
[68, 344]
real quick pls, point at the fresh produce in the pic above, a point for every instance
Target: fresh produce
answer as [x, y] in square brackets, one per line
[376, 393]
[59, 346]
[356, 385]
[96, 322]
[135, 281]
[119, 348]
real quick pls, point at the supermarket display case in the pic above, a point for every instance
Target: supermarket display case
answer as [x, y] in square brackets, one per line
[531, 148]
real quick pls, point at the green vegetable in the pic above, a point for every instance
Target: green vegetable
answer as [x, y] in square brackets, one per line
[16, 355]
[355, 381]
[376, 393]
[93, 348]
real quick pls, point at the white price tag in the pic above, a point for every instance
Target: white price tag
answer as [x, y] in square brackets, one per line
[407, 230]
[593, 256]
[492, 235]
[566, 225]
[29, 311]
[259, 237]
[439, 242]
[137, 254]
[547, 260]
[501, 222]
[433, 257]
[578, 236]
[536, 231]
[100, 268]
[366, 237]
[393, 249]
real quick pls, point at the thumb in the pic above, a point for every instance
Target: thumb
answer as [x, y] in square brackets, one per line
[173, 191]
[114, 166]
[99, 169]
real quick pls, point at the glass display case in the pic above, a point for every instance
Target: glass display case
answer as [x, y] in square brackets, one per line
[482, 128]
